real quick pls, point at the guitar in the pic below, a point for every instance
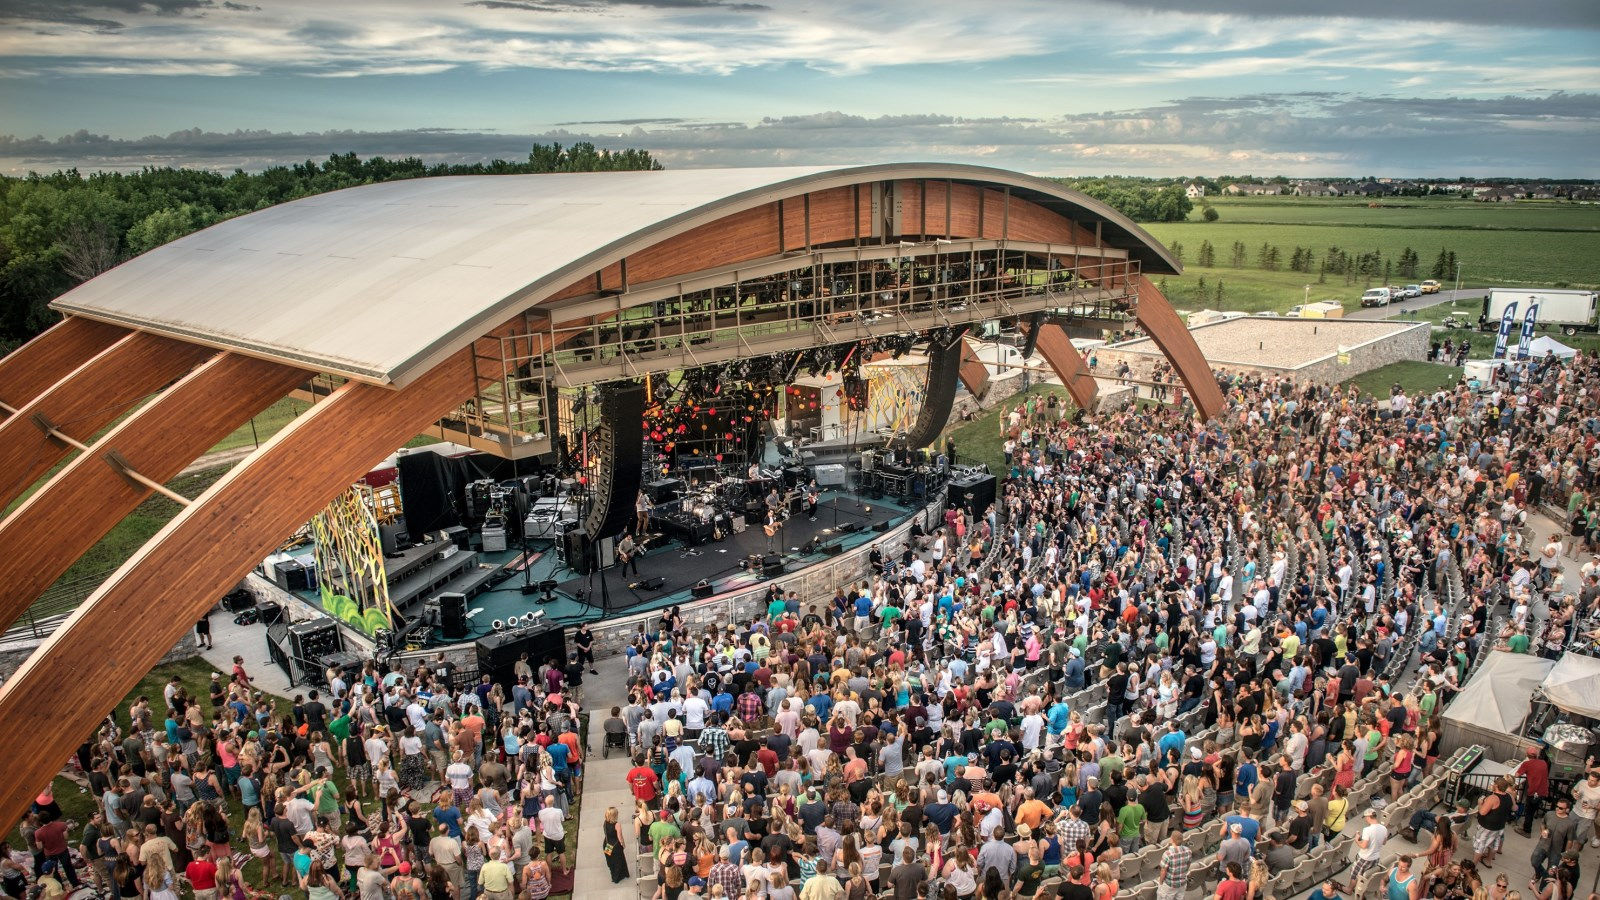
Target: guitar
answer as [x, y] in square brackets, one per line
[771, 528]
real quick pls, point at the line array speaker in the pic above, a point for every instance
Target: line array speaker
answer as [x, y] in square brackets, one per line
[619, 445]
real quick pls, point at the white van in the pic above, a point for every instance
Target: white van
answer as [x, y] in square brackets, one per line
[1380, 296]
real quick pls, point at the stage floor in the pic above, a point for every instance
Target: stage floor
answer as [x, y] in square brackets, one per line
[717, 562]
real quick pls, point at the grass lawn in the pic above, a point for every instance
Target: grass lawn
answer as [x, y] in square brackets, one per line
[1414, 377]
[268, 423]
[1529, 244]
[980, 440]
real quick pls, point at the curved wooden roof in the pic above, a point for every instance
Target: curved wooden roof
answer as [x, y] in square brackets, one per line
[382, 281]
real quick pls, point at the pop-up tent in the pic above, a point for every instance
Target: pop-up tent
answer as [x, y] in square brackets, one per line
[1492, 706]
[1539, 346]
[1574, 685]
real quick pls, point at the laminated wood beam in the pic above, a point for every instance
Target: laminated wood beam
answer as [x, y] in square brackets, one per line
[27, 371]
[1057, 350]
[131, 621]
[1159, 320]
[86, 400]
[58, 523]
[974, 374]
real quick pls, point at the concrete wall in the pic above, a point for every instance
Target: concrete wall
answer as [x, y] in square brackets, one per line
[1411, 344]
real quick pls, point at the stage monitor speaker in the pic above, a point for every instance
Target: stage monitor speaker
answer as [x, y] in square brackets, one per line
[881, 527]
[453, 615]
[576, 544]
[772, 564]
[701, 589]
[459, 536]
[833, 548]
[653, 583]
[498, 653]
[738, 524]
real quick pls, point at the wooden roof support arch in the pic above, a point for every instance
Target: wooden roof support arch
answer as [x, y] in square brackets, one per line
[29, 370]
[86, 400]
[132, 620]
[1157, 317]
[62, 520]
[1064, 358]
[974, 374]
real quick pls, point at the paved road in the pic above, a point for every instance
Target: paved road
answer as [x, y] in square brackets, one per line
[1470, 303]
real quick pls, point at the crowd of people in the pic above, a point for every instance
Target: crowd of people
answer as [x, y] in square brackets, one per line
[425, 784]
[998, 711]
[917, 733]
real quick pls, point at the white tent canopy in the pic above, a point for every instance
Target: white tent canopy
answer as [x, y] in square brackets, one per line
[1574, 685]
[1539, 346]
[1496, 698]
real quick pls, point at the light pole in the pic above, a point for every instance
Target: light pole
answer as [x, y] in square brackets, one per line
[1456, 294]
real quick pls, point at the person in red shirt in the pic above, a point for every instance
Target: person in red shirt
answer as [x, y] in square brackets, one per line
[52, 840]
[1537, 787]
[202, 875]
[643, 781]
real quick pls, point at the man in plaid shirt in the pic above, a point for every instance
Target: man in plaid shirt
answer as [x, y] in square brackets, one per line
[1175, 862]
[714, 740]
[1073, 829]
[725, 873]
[750, 707]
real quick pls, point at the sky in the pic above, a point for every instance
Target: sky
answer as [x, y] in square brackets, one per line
[1422, 88]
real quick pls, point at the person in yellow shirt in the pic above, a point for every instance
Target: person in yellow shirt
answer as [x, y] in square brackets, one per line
[822, 886]
[495, 880]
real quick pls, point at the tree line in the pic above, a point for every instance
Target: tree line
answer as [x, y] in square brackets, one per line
[1139, 199]
[1338, 262]
[61, 229]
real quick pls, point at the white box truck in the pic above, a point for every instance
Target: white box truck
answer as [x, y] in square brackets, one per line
[1570, 311]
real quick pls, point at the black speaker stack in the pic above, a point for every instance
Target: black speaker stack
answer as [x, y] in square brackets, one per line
[498, 652]
[980, 486]
[453, 615]
[311, 640]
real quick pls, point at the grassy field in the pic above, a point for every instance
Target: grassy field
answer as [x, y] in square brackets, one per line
[980, 440]
[1414, 377]
[268, 423]
[1528, 243]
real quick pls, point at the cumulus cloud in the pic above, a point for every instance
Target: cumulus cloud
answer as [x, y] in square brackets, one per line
[1306, 133]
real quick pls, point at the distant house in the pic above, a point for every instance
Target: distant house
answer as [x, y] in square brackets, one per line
[1542, 193]
[1368, 189]
[1253, 189]
[1585, 194]
[1496, 197]
[1194, 191]
[1315, 189]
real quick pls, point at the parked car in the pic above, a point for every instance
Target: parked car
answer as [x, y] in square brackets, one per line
[1411, 292]
[1379, 296]
[1430, 286]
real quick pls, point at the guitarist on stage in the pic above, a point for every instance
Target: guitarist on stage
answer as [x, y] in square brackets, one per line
[812, 496]
[628, 552]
